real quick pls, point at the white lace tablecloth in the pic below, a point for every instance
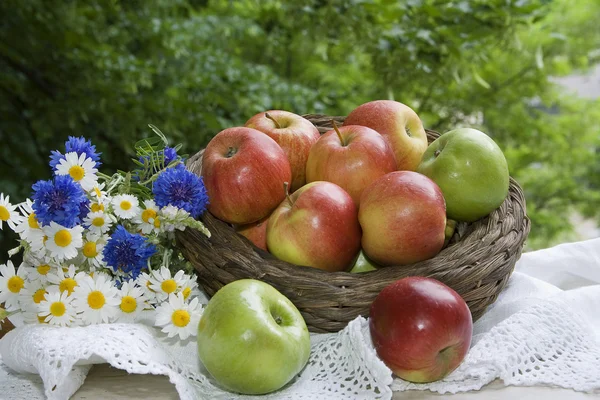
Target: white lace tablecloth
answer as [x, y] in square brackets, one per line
[544, 329]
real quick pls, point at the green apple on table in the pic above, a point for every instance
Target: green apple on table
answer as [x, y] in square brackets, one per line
[470, 169]
[251, 338]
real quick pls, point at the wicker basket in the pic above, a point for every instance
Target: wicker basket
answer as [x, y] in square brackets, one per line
[476, 263]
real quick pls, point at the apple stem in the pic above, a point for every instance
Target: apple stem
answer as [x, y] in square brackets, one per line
[274, 121]
[287, 192]
[335, 128]
[230, 152]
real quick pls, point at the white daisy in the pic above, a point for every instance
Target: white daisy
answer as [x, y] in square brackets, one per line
[38, 272]
[8, 213]
[176, 317]
[29, 229]
[173, 218]
[189, 287]
[143, 281]
[98, 222]
[131, 302]
[163, 284]
[32, 294]
[92, 251]
[11, 284]
[125, 206]
[81, 168]
[63, 242]
[57, 308]
[95, 299]
[66, 280]
[148, 219]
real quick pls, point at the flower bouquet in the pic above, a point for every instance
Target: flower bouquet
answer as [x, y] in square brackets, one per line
[100, 248]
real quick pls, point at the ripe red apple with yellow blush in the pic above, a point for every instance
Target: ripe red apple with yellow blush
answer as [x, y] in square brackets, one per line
[420, 328]
[399, 125]
[352, 157]
[295, 135]
[403, 218]
[316, 226]
[256, 232]
[243, 171]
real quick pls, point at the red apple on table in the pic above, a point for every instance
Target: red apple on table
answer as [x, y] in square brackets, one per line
[244, 171]
[256, 232]
[293, 133]
[421, 328]
[399, 125]
[316, 226]
[352, 157]
[403, 218]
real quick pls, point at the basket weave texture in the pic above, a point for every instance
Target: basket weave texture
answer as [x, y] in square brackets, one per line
[476, 263]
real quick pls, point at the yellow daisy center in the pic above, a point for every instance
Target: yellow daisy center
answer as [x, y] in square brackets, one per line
[125, 205]
[15, 284]
[39, 295]
[89, 250]
[63, 238]
[67, 285]
[97, 207]
[156, 223]
[4, 214]
[128, 304]
[98, 222]
[97, 191]
[58, 309]
[169, 286]
[180, 318]
[76, 172]
[186, 292]
[147, 214]
[42, 320]
[43, 269]
[96, 299]
[32, 221]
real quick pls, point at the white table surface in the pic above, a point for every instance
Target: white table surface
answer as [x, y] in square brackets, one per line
[105, 382]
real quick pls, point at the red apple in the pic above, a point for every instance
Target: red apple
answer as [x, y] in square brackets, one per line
[244, 171]
[352, 157]
[403, 218]
[399, 125]
[421, 328]
[293, 133]
[256, 232]
[316, 226]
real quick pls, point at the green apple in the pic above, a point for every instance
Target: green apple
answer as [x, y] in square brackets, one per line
[470, 169]
[449, 232]
[363, 264]
[251, 338]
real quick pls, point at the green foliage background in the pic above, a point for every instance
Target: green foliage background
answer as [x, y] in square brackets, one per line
[106, 68]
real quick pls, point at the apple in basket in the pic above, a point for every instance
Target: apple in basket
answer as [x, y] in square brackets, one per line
[352, 157]
[316, 226]
[403, 219]
[251, 338]
[398, 124]
[243, 171]
[295, 135]
[256, 232]
[470, 169]
[421, 328]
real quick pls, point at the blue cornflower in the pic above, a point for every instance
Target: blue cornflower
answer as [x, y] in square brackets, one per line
[78, 145]
[169, 154]
[127, 252]
[61, 200]
[182, 189]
